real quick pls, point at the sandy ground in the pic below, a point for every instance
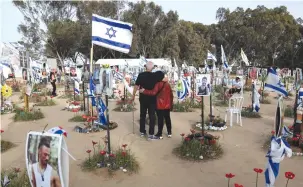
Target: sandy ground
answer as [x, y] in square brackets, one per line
[159, 167]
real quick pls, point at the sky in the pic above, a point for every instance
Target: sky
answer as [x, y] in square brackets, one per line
[203, 11]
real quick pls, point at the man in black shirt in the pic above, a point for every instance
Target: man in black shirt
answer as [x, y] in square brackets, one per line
[147, 80]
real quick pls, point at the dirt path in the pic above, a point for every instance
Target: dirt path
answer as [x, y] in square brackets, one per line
[159, 168]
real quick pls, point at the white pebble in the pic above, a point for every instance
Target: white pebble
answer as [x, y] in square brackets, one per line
[124, 170]
[121, 168]
[201, 157]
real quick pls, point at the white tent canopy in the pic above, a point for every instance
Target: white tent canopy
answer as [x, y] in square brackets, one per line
[133, 62]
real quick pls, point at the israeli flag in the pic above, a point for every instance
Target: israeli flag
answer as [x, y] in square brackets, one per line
[77, 86]
[211, 56]
[118, 76]
[101, 109]
[91, 91]
[273, 83]
[256, 98]
[223, 58]
[286, 132]
[57, 130]
[277, 151]
[112, 34]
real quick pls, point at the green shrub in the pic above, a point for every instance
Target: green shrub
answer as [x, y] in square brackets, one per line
[247, 113]
[182, 107]
[198, 149]
[121, 158]
[125, 105]
[17, 178]
[77, 118]
[33, 114]
[6, 145]
[289, 112]
[47, 102]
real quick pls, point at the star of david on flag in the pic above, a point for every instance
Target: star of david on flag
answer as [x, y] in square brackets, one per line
[112, 34]
[273, 83]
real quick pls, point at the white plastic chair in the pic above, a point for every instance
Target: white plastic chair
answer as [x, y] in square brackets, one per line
[235, 107]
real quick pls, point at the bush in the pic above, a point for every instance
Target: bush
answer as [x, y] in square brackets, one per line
[221, 103]
[77, 118]
[121, 158]
[194, 147]
[6, 145]
[194, 104]
[33, 114]
[219, 89]
[265, 101]
[247, 113]
[125, 105]
[47, 102]
[289, 112]
[182, 107]
[17, 178]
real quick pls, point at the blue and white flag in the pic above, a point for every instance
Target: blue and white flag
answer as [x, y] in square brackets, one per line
[211, 56]
[286, 132]
[112, 34]
[118, 76]
[143, 61]
[273, 83]
[256, 104]
[77, 86]
[182, 90]
[101, 109]
[91, 91]
[223, 58]
[57, 130]
[277, 151]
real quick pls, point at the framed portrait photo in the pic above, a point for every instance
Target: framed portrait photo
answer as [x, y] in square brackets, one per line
[203, 87]
[106, 81]
[43, 160]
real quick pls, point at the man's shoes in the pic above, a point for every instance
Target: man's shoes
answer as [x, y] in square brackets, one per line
[169, 135]
[142, 134]
[153, 137]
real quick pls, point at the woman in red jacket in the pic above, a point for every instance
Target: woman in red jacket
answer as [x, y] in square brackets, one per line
[165, 97]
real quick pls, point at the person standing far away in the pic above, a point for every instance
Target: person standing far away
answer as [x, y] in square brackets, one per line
[53, 82]
[147, 80]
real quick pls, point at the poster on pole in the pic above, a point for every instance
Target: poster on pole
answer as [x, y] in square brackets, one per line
[106, 81]
[203, 85]
[46, 164]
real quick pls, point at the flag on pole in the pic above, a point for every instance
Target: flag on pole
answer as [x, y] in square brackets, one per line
[273, 83]
[223, 58]
[143, 61]
[101, 109]
[256, 104]
[112, 34]
[92, 88]
[211, 56]
[244, 57]
[277, 151]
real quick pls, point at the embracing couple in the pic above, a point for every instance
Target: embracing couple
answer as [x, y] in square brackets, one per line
[156, 96]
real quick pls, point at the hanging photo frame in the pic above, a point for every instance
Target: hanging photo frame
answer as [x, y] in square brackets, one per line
[203, 85]
[46, 163]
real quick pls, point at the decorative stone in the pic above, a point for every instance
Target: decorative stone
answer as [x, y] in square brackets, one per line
[124, 170]
[201, 157]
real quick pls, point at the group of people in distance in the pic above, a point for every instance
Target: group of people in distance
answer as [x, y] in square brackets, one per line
[156, 97]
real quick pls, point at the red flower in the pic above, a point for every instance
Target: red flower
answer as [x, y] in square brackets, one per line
[88, 151]
[273, 132]
[17, 170]
[229, 175]
[295, 139]
[75, 110]
[112, 155]
[51, 96]
[94, 143]
[258, 170]
[124, 145]
[238, 185]
[124, 153]
[192, 131]
[102, 153]
[187, 139]
[84, 116]
[212, 142]
[182, 134]
[1, 131]
[289, 175]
